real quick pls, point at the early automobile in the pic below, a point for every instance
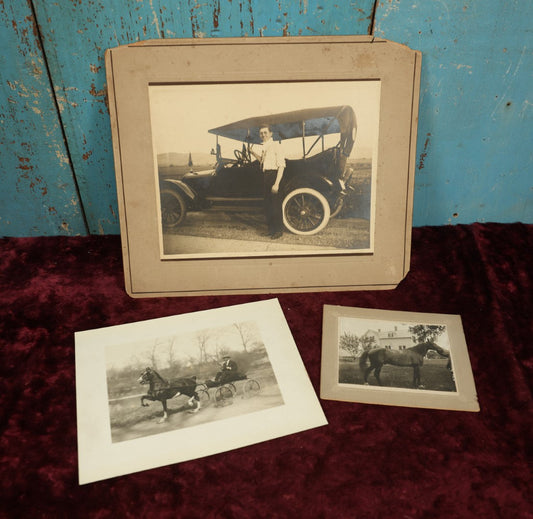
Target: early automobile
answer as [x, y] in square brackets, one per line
[314, 183]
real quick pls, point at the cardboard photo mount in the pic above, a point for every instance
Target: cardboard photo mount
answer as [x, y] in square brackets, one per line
[131, 69]
[459, 369]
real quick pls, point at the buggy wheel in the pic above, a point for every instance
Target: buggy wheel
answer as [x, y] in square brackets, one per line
[251, 388]
[173, 208]
[203, 395]
[231, 386]
[223, 395]
[305, 211]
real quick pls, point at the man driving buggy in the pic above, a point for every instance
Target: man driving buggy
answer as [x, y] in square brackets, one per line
[229, 372]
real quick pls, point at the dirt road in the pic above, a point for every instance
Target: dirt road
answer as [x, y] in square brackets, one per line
[242, 232]
[180, 415]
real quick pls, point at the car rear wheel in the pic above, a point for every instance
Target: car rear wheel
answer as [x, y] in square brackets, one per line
[173, 208]
[305, 211]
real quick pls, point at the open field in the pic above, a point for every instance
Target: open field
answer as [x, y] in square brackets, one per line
[434, 375]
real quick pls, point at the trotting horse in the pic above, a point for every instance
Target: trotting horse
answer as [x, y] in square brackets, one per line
[411, 357]
[163, 390]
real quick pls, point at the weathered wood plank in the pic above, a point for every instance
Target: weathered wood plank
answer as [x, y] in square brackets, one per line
[474, 159]
[38, 195]
[76, 34]
[476, 114]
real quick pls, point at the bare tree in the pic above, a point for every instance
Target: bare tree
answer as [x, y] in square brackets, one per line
[171, 355]
[245, 335]
[201, 339]
[153, 356]
[220, 351]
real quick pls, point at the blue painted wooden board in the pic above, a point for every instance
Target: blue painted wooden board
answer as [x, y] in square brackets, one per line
[76, 34]
[37, 191]
[475, 134]
[474, 148]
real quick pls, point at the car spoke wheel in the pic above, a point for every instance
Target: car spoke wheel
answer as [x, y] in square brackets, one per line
[173, 208]
[305, 211]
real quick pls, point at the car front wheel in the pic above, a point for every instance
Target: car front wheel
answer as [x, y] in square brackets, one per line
[173, 208]
[305, 211]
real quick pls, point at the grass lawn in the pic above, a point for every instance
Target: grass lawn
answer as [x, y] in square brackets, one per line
[434, 375]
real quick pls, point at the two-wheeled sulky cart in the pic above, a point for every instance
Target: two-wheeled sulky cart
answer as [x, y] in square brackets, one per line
[224, 393]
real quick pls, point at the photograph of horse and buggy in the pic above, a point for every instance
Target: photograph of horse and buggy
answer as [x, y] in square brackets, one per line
[395, 355]
[188, 379]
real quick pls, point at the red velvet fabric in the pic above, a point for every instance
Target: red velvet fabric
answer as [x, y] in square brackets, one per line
[370, 461]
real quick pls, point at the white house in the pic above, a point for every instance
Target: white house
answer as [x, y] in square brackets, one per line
[397, 338]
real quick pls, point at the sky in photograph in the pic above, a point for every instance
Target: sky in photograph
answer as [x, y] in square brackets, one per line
[359, 327]
[185, 346]
[181, 115]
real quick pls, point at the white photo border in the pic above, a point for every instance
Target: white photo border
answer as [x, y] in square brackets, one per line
[100, 458]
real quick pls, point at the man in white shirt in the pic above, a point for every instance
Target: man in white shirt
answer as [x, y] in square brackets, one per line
[272, 161]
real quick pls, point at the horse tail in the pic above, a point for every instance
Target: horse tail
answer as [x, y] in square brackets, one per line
[362, 360]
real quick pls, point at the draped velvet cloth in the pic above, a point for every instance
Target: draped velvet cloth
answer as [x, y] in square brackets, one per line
[370, 461]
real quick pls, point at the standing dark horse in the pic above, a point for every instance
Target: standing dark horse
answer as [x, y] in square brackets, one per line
[411, 357]
[163, 390]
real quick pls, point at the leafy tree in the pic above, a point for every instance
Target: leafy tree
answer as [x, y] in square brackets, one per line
[368, 342]
[351, 343]
[425, 332]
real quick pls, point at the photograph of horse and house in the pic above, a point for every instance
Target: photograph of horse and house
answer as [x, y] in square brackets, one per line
[395, 355]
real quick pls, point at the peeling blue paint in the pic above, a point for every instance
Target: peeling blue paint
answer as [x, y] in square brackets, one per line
[76, 35]
[37, 189]
[476, 95]
[474, 159]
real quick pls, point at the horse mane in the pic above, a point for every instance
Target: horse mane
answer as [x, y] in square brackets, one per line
[423, 347]
[158, 376]
[177, 382]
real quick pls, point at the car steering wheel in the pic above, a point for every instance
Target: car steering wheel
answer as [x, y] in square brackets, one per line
[241, 156]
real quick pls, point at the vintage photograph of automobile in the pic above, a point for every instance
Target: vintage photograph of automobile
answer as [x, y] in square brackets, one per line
[212, 146]
[396, 358]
